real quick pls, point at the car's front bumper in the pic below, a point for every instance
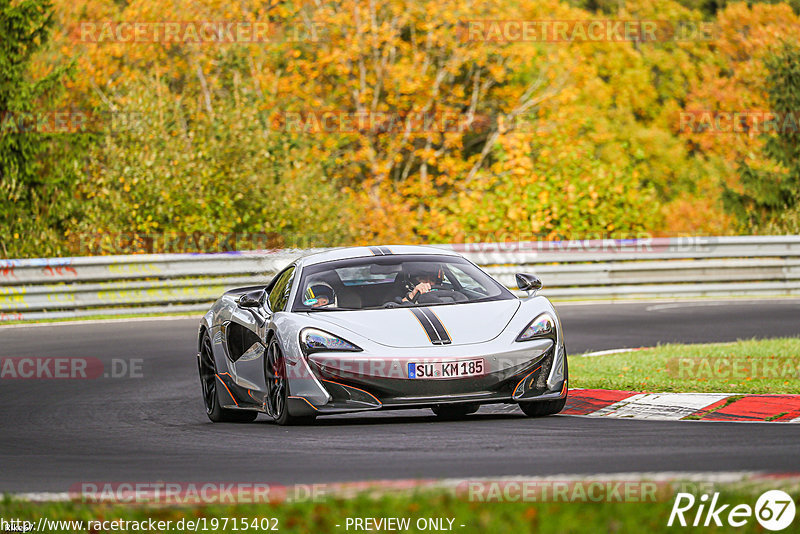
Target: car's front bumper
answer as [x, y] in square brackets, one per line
[338, 383]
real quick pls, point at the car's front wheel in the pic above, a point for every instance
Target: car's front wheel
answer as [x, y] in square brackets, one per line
[542, 408]
[209, 381]
[454, 411]
[278, 387]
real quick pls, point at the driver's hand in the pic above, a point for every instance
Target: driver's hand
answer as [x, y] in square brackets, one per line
[421, 288]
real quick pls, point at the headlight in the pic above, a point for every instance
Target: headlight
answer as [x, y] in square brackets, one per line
[544, 326]
[313, 340]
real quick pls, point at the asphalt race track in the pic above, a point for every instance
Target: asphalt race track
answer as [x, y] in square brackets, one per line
[58, 433]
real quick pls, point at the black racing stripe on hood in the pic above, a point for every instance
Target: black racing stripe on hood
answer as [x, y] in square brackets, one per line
[426, 324]
[441, 331]
[434, 328]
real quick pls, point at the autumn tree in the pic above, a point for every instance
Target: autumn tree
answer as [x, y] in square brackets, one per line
[31, 189]
[771, 185]
[733, 81]
[386, 121]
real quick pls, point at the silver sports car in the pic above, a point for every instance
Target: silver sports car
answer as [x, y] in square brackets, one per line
[371, 328]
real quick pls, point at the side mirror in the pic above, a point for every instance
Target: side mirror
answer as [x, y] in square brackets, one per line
[250, 300]
[529, 283]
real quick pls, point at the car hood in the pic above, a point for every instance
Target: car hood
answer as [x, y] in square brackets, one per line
[466, 323]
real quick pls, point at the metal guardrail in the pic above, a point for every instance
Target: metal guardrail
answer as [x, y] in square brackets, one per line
[654, 267]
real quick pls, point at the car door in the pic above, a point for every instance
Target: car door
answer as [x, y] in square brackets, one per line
[247, 331]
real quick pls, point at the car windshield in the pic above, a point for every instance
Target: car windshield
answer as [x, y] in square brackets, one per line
[393, 282]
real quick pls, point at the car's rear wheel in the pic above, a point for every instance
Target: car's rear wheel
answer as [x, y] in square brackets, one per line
[209, 381]
[454, 411]
[278, 387]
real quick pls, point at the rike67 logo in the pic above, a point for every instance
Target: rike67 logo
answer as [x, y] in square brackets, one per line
[774, 510]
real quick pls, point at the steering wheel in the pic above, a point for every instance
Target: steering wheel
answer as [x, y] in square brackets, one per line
[441, 295]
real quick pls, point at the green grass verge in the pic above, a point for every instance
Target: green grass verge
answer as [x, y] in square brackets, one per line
[478, 517]
[763, 366]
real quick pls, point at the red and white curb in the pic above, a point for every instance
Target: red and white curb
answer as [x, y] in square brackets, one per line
[683, 406]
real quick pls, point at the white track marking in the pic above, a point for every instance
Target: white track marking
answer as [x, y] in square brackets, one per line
[663, 406]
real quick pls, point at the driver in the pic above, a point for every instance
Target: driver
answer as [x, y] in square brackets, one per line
[425, 278]
[319, 294]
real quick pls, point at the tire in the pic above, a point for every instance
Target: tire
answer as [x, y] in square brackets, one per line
[209, 382]
[278, 387]
[454, 411]
[543, 408]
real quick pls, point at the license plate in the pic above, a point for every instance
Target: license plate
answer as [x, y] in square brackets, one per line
[455, 369]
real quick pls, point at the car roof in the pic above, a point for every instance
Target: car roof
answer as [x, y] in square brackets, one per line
[379, 250]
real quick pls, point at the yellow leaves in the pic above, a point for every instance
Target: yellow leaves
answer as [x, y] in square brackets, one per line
[397, 57]
[516, 213]
[543, 196]
[519, 171]
[497, 72]
[734, 80]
